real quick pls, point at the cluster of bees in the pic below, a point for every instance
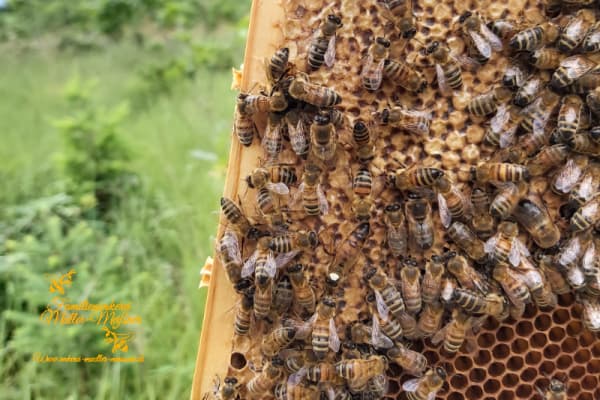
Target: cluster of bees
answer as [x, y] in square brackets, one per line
[503, 250]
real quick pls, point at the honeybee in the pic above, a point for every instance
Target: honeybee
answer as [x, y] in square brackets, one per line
[466, 275]
[448, 69]
[506, 200]
[549, 157]
[535, 37]
[589, 262]
[397, 238]
[481, 41]
[586, 216]
[570, 117]
[591, 42]
[283, 295]
[387, 298]
[574, 32]
[482, 221]
[466, 240]
[534, 217]
[546, 58]
[276, 67]
[362, 208]
[412, 121]
[347, 253]
[487, 103]
[571, 69]
[324, 332]
[278, 339]
[361, 134]
[420, 221]
[514, 287]
[505, 246]
[319, 96]
[297, 132]
[556, 280]
[410, 287]
[323, 137]
[503, 28]
[582, 143]
[591, 315]
[491, 304]
[376, 387]
[300, 240]
[243, 127]
[401, 14]
[265, 380]
[358, 372]
[452, 204]
[556, 390]
[303, 293]
[286, 391]
[537, 283]
[314, 201]
[272, 140]
[414, 177]
[503, 126]
[228, 251]
[431, 286]
[243, 316]
[412, 362]
[455, 332]
[514, 77]
[430, 319]
[275, 178]
[269, 207]
[571, 252]
[238, 221]
[499, 172]
[372, 71]
[585, 188]
[589, 82]
[536, 115]
[372, 336]
[528, 92]
[322, 46]
[568, 175]
[404, 75]
[426, 387]
[228, 391]
[323, 372]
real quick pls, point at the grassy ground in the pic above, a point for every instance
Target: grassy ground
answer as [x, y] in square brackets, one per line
[180, 142]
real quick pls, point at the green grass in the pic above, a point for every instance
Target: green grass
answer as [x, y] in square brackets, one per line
[180, 144]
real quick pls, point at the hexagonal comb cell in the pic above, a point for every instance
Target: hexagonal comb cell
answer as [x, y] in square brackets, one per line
[507, 359]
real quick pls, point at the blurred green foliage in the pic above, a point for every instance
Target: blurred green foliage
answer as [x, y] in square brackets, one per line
[113, 163]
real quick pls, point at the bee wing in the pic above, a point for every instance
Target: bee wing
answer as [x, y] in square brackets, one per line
[284, 258]
[297, 376]
[230, 240]
[491, 37]
[248, 268]
[441, 79]
[490, 244]
[334, 339]
[514, 255]
[298, 136]
[574, 27]
[271, 265]
[466, 62]
[330, 53]
[482, 45]
[330, 392]
[279, 188]
[431, 396]
[440, 335]
[522, 248]
[445, 216]
[501, 117]
[411, 385]
[507, 137]
[377, 71]
[568, 176]
[378, 339]
[589, 258]
[297, 196]
[382, 308]
[576, 66]
[323, 206]
[586, 187]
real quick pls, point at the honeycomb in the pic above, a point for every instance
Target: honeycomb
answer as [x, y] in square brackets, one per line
[502, 360]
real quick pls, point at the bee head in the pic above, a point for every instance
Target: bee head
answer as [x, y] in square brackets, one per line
[383, 42]
[322, 119]
[277, 361]
[242, 285]
[249, 182]
[441, 372]
[295, 268]
[329, 302]
[359, 126]
[332, 279]
[392, 207]
[370, 273]
[242, 96]
[432, 47]
[230, 380]
[285, 51]
[335, 19]
[556, 386]
[464, 16]
[370, 298]
[385, 115]
[313, 239]
[409, 33]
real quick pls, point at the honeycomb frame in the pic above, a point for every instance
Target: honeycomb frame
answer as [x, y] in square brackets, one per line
[559, 346]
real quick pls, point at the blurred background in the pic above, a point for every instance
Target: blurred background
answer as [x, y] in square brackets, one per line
[115, 121]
